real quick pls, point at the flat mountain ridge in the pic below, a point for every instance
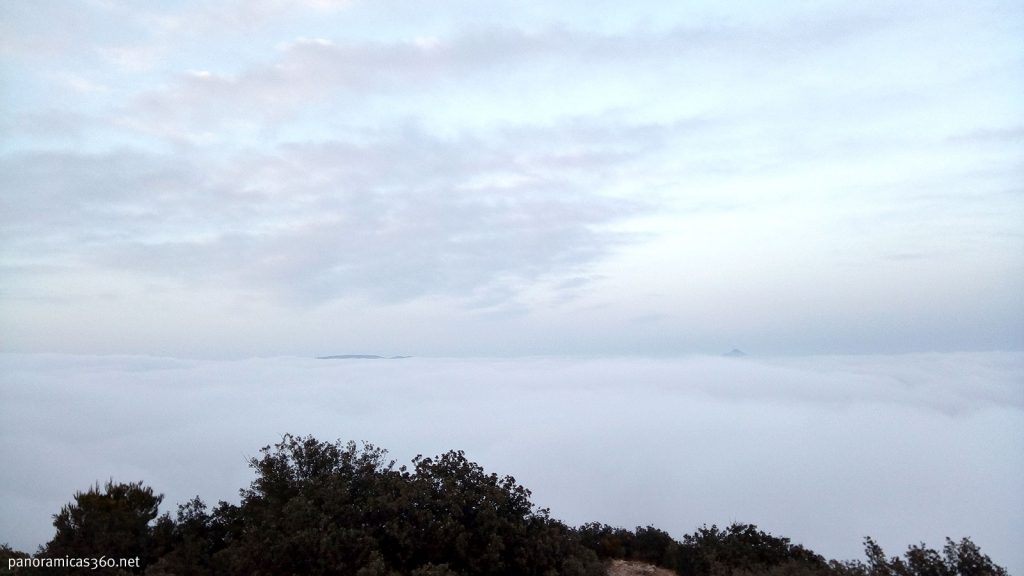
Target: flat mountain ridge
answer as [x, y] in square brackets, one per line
[359, 357]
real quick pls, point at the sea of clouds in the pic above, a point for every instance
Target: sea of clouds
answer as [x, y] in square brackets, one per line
[824, 450]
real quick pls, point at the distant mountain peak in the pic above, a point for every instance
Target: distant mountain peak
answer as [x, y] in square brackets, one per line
[735, 353]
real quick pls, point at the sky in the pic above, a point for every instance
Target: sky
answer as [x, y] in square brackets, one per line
[258, 178]
[824, 450]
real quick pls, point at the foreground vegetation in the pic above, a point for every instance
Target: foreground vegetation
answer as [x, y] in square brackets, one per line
[331, 508]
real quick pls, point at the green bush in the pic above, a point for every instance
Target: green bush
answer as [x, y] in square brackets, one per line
[323, 508]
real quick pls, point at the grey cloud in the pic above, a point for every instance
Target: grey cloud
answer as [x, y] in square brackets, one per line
[81, 198]
[399, 217]
[54, 125]
[994, 136]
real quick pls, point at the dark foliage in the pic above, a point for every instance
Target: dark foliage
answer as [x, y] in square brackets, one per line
[8, 553]
[342, 509]
[962, 558]
[738, 549]
[322, 508]
[117, 520]
[744, 550]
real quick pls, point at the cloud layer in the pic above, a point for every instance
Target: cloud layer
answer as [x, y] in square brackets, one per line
[824, 450]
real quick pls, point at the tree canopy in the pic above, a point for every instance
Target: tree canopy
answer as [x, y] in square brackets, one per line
[333, 508]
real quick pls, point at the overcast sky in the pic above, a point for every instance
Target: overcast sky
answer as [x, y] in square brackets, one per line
[261, 177]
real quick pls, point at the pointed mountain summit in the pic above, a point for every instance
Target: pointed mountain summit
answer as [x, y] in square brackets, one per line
[735, 353]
